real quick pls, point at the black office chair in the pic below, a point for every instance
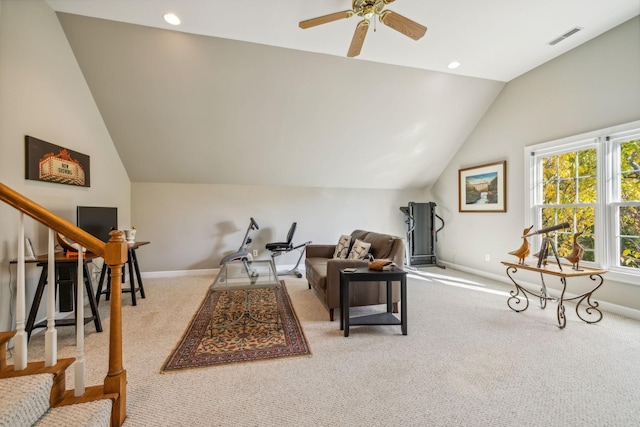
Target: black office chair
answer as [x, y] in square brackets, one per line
[279, 248]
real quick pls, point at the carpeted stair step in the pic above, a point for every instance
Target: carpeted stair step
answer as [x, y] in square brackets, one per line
[24, 399]
[89, 414]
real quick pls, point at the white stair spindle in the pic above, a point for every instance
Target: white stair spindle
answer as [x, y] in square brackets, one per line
[80, 361]
[20, 338]
[51, 336]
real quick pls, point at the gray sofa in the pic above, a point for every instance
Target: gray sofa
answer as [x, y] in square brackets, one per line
[323, 271]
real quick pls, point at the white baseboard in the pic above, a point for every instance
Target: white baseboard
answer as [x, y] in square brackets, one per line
[203, 272]
[606, 306]
[180, 273]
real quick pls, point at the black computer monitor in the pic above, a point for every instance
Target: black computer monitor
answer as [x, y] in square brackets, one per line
[97, 221]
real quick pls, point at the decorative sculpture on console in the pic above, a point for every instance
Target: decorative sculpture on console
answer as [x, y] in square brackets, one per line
[525, 249]
[548, 243]
[576, 254]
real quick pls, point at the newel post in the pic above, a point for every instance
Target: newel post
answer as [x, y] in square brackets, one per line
[115, 256]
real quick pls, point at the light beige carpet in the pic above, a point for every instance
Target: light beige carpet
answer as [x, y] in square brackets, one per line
[468, 360]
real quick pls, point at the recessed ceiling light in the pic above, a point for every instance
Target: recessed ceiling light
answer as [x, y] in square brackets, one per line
[171, 18]
[454, 64]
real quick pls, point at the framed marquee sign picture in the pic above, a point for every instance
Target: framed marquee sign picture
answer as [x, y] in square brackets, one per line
[51, 163]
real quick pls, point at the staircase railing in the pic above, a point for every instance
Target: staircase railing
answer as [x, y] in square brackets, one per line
[114, 253]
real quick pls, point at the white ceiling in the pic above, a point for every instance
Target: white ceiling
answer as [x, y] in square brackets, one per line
[493, 39]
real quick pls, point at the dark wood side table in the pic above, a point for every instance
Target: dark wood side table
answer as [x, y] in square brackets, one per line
[66, 273]
[364, 274]
[134, 274]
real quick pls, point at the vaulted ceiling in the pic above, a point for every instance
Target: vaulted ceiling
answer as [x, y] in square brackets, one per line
[238, 94]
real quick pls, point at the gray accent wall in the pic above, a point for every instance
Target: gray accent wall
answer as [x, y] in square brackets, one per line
[187, 109]
[193, 226]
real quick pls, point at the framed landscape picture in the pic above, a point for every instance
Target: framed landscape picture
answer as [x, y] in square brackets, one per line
[49, 162]
[483, 188]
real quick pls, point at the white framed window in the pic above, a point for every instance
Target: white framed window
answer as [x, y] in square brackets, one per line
[592, 182]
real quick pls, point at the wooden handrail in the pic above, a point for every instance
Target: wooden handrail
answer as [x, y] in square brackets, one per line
[114, 253]
[51, 220]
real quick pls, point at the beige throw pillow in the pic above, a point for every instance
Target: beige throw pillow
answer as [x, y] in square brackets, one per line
[359, 250]
[342, 248]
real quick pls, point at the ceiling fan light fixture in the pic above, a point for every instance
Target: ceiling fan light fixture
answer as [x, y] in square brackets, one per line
[368, 9]
[368, 12]
[171, 18]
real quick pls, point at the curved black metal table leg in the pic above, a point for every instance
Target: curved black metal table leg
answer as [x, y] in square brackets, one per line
[591, 308]
[518, 295]
[562, 320]
[543, 293]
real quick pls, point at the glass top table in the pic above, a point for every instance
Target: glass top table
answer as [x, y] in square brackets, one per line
[244, 276]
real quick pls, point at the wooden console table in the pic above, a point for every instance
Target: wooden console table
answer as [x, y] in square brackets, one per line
[520, 293]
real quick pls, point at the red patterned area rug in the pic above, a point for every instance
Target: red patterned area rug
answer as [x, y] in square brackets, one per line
[267, 328]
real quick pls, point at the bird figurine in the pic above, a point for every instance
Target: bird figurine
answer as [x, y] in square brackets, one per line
[576, 254]
[525, 249]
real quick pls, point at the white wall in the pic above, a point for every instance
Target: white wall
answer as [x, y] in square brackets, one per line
[192, 226]
[43, 94]
[593, 86]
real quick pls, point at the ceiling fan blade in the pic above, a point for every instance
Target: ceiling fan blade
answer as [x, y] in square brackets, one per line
[358, 38]
[326, 19]
[403, 25]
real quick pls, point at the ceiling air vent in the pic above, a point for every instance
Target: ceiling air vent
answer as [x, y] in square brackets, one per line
[564, 36]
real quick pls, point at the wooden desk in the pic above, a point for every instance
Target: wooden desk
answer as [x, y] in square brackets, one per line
[66, 267]
[553, 269]
[132, 262]
[364, 274]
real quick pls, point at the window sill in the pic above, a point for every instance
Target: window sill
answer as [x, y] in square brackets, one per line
[617, 275]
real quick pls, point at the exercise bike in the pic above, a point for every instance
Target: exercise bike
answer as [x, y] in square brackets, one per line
[279, 248]
[242, 254]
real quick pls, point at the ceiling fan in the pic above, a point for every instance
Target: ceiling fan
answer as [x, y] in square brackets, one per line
[369, 9]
